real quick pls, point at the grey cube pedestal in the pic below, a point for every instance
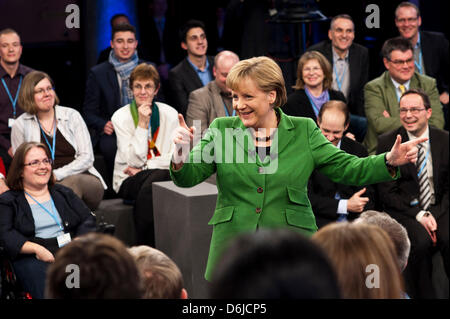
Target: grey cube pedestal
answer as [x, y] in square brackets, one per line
[182, 231]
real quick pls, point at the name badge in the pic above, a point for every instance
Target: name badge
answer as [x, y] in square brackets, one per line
[10, 122]
[63, 239]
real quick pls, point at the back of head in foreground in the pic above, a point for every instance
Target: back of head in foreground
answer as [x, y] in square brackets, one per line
[161, 277]
[94, 266]
[364, 259]
[273, 264]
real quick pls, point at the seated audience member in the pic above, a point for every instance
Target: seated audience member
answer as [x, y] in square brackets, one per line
[63, 130]
[194, 71]
[394, 229]
[105, 270]
[333, 201]
[273, 264]
[431, 49]
[144, 131]
[419, 199]
[38, 216]
[313, 86]
[350, 62]
[117, 19]
[214, 99]
[382, 94]
[160, 276]
[11, 75]
[107, 89]
[364, 259]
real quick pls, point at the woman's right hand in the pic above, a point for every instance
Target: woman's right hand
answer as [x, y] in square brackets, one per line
[43, 254]
[184, 136]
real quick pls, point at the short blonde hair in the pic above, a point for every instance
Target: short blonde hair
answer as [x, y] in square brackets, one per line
[324, 64]
[26, 94]
[266, 74]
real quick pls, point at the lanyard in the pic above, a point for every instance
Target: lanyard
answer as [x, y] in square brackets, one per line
[52, 215]
[339, 80]
[226, 110]
[315, 108]
[13, 102]
[52, 149]
[424, 162]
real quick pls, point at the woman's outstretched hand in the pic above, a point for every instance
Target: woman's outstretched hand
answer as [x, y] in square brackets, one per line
[404, 153]
[184, 136]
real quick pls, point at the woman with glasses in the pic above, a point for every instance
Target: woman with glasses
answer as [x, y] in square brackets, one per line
[63, 130]
[37, 216]
[313, 87]
[144, 147]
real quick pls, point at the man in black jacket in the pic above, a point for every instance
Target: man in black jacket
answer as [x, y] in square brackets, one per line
[195, 71]
[332, 201]
[350, 62]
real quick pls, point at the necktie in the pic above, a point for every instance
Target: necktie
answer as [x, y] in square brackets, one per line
[402, 88]
[424, 185]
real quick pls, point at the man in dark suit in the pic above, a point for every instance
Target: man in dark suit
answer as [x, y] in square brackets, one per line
[419, 200]
[195, 71]
[350, 63]
[431, 49]
[107, 90]
[333, 201]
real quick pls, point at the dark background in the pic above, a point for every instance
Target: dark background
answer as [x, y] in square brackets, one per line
[67, 54]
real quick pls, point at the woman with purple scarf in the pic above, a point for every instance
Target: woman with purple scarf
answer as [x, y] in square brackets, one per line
[313, 86]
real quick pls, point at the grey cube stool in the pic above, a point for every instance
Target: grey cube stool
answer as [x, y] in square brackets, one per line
[182, 231]
[114, 211]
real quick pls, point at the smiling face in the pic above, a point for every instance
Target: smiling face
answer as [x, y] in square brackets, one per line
[312, 73]
[408, 22]
[253, 106]
[332, 125]
[342, 34]
[196, 43]
[36, 178]
[416, 123]
[10, 48]
[144, 91]
[124, 45]
[400, 65]
[44, 96]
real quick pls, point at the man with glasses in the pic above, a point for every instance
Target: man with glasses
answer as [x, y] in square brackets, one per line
[419, 200]
[431, 49]
[382, 94]
[11, 75]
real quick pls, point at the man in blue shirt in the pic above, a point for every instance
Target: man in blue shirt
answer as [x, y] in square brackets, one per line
[195, 71]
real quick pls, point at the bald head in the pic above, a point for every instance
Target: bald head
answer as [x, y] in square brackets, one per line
[223, 63]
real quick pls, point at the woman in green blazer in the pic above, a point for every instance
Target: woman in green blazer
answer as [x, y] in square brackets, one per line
[258, 191]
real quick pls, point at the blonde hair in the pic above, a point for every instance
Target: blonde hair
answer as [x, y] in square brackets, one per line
[26, 94]
[351, 249]
[324, 65]
[266, 74]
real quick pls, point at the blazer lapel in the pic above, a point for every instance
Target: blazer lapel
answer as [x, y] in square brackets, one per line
[436, 151]
[410, 168]
[114, 84]
[391, 96]
[191, 75]
[217, 99]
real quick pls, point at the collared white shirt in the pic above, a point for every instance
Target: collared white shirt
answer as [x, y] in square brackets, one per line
[341, 68]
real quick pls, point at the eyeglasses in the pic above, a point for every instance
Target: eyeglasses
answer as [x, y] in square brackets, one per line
[413, 110]
[409, 20]
[402, 62]
[139, 87]
[41, 91]
[36, 163]
[314, 69]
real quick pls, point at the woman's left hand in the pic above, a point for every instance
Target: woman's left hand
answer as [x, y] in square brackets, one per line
[404, 153]
[131, 171]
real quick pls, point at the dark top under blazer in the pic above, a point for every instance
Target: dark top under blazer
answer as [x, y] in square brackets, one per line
[183, 79]
[298, 103]
[358, 59]
[102, 97]
[17, 223]
[435, 53]
[321, 190]
[396, 196]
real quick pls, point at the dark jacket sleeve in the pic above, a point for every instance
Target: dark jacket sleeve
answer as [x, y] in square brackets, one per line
[180, 96]
[92, 100]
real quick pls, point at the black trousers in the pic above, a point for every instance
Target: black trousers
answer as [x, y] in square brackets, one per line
[138, 188]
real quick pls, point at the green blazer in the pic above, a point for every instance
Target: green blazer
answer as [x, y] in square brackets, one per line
[273, 193]
[380, 95]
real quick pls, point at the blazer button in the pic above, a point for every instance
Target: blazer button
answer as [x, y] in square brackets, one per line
[258, 210]
[259, 190]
